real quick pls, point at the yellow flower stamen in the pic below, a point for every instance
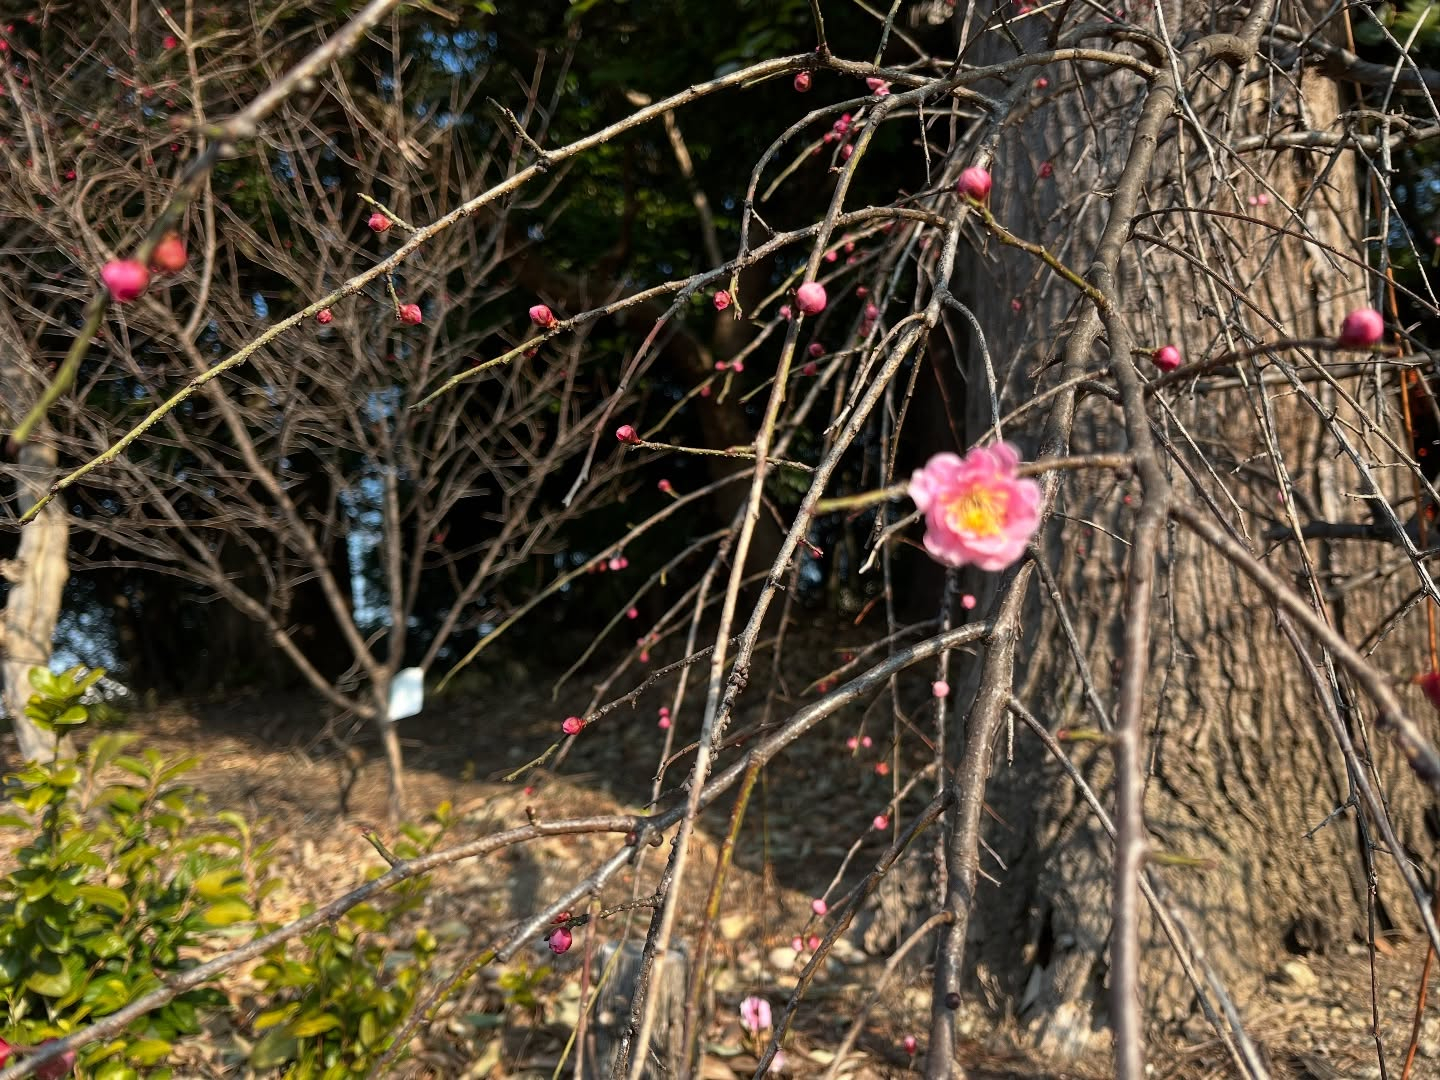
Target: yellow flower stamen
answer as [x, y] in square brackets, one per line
[979, 512]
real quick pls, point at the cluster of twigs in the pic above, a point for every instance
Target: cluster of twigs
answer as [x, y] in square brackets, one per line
[924, 264]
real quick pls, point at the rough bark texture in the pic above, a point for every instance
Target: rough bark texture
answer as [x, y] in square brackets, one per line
[1242, 765]
[37, 578]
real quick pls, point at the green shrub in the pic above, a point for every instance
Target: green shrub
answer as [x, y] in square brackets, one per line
[118, 887]
[123, 884]
[336, 1009]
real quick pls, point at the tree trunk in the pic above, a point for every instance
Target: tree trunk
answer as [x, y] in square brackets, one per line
[37, 578]
[1242, 764]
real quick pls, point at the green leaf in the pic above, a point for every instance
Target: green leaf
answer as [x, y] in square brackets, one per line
[274, 1050]
[227, 912]
[148, 1051]
[104, 896]
[226, 881]
[49, 979]
[75, 714]
[311, 1026]
[369, 1030]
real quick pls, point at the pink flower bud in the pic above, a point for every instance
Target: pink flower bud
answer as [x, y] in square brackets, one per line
[882, 768]
[878, 87]
[797, 943]
[1361, 329]
[832, 256]
[811, 368]
[810, 298]
[1041, 83]
[1015, 306]
[721, 300]
[802, 83]
[1047, 170]
[846, 151]
[737, 366]
[560, 940]
[974, 183]
[633, 613]
[881, 823]
[813, 941]
[325, 316]
[1166, 358]
[862, 291]
[664, 486]
[940, 688]
[967, 602]
[125, 278]
[542, 316]
[866, 742]
[819, 906]
[910, 1044]
[664, 723]
[378, 222]
[721, 365]
[572, 725]
[786, 313]
[626, 434]
[411, 313]
[872, 312]
[853, 743]
[816, 349]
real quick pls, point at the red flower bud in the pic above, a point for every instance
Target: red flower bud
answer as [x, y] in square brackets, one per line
[722, 300]
[975, 183]
[560, 940]
[325, 316]
[802, 82]
[169, 254]
[378, 222]
[542, 316]
[627, 434]
[410, 313]
[810, 298]
[125, 278]
[1166, 358]
[1362, 329]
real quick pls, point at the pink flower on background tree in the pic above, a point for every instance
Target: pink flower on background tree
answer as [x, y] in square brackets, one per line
[755, 1014]
[978, 511]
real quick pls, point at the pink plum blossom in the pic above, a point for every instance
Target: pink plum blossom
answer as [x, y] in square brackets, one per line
[755, 1014]
[977, 510]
